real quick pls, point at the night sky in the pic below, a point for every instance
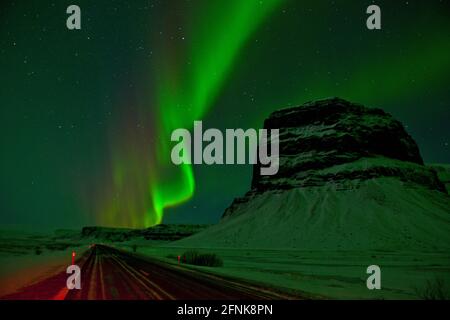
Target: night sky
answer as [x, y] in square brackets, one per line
[87, 114]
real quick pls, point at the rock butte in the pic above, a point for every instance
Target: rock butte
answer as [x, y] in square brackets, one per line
[350, 178]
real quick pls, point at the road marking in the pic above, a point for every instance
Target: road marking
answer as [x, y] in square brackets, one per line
[135, 275]
[93, 281]
[102, 282]
[144, 273]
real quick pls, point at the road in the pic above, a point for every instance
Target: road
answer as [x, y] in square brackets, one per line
[108, 273]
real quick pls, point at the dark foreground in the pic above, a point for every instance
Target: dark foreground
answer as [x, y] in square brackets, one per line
[109, 274]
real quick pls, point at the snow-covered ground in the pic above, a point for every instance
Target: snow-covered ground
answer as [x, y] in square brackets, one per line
[326, 274]
[382, 213]
[27, 258]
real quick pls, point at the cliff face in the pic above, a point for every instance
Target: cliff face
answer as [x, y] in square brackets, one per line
[162, 232]
[350, 178]
[443, 173]
[339, 143]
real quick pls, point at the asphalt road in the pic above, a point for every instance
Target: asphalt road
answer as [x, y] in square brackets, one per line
[108, 273]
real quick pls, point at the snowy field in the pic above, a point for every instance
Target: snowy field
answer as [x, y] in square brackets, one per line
[326, 274]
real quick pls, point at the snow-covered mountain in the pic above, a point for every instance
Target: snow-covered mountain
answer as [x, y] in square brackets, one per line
[350, 177]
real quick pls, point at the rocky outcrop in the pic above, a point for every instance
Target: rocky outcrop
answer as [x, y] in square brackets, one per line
[161, 232]
[350, 178]
[443, 173]
[339, 143]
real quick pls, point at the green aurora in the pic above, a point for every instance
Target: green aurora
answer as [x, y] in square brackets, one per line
[184, 93]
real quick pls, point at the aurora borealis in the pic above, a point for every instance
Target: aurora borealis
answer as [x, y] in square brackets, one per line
[87, 115]
[186, 91]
